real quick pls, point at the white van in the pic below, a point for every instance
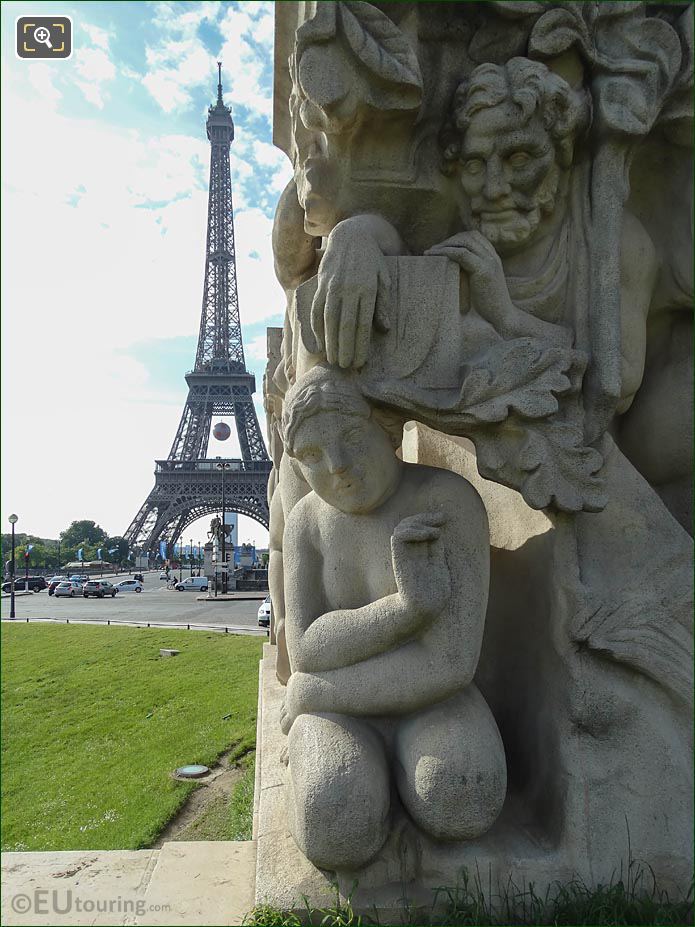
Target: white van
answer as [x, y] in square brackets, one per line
[193, 584]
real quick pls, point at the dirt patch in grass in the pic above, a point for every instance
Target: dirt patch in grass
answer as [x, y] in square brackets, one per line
[205, 814]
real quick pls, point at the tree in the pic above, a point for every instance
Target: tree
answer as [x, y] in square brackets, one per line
[120, 553]
[82, 533]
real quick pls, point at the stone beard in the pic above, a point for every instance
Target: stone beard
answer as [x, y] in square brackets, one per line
[516, 219]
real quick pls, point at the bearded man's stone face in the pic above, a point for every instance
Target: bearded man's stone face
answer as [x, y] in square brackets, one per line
[509, 173]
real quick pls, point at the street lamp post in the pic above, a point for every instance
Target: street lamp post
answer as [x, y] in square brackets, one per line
[191, 557]
[224, 465]
[13, 521]
[58, 570]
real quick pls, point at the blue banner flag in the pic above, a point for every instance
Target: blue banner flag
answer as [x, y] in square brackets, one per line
[99, 552]
[80, 553]
[30, 547]
[163, 549]
[112, 550]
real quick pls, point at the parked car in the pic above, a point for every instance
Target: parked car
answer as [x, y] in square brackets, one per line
[264, 613]
[139, 577]
[53, 582]
[164, 576]
[69, 587]
[193, 584]
[98, 588]
[128, 585]
[80, 578]
[35, 583]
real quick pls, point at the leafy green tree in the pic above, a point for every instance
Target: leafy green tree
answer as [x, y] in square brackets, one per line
[120, 553]
[82, 533]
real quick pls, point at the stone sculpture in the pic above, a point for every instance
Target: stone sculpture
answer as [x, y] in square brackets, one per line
[487, 234]
[364, 640]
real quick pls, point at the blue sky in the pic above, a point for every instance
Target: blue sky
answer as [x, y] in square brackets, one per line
[105, 171]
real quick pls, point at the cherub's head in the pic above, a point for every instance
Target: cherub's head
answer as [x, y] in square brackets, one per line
[346, 456]
[511, 135]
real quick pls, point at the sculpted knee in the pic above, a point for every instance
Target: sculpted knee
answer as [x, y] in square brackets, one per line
[339, 788]
[451, 770]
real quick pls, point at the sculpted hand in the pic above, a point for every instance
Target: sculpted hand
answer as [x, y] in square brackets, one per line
[489, 292]
[352, 292]
[419, 563]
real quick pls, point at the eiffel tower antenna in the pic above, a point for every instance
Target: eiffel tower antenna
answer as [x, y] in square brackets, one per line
[187, 484]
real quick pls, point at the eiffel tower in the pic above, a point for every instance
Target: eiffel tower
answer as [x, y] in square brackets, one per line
[188, 485]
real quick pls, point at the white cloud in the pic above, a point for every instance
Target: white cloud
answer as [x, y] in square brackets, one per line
[98, 37]
[175, 69]
[95, 69]
[257, 348]
[43, 79]
[179, 62]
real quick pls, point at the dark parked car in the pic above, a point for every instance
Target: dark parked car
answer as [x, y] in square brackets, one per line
[98, 588]
[36, 584]
[52, 583]
[139, 577]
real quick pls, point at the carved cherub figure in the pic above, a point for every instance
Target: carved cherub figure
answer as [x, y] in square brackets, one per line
[386, 582]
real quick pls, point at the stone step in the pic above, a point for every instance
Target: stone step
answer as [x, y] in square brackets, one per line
[192, 883]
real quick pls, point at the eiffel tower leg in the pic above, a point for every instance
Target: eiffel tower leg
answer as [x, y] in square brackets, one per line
[193, 434]
[139, 529]
[250, 440]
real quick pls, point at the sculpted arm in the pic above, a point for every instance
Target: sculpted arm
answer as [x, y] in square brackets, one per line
[343, 637]
[490, 294]
[435, 665]
[638, 272]
[294, 250]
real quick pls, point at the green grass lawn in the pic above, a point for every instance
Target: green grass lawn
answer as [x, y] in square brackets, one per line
[94, 721]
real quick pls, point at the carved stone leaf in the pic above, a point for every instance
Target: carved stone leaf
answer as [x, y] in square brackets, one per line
[677, 114]
[520, 376]
[517, 9]
[545, 461]
[320, 28]
[642, 56]
[633, 630]
[556, 31]
[381, 47]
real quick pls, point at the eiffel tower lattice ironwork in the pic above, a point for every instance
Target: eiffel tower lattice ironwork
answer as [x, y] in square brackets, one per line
[188, 485]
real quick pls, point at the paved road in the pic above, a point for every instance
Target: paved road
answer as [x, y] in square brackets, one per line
[155, 603]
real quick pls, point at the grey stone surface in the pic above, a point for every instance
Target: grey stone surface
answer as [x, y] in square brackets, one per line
[486, 637]
[182, 883]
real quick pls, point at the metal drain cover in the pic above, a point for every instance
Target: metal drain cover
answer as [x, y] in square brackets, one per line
[191, 772]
